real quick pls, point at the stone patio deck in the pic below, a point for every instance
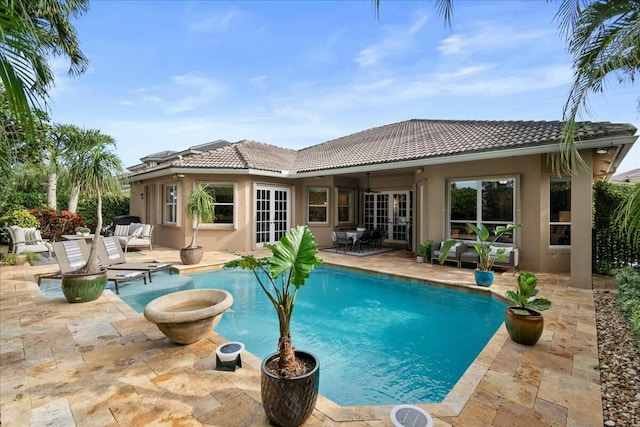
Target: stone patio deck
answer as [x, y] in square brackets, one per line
[102, 364]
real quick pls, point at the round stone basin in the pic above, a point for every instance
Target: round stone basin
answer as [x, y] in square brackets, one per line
[187, 316]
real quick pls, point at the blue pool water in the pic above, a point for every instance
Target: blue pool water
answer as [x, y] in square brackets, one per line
[380, 340]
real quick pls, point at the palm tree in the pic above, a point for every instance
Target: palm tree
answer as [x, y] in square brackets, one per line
[99, 171]
[29, 32]
[629, 219]
[604, 41]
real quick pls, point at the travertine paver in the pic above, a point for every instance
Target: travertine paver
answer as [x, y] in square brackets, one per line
[101, 363]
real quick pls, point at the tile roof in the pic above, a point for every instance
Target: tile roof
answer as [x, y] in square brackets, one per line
[408, 140]
[629, 176]
[417, 139]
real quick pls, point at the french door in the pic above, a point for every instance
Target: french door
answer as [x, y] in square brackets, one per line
[272, 214]
[391, 211]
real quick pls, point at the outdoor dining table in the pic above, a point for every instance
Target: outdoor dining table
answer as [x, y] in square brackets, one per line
[354, 235]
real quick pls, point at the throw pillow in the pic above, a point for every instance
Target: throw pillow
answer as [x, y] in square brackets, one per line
[121, 230]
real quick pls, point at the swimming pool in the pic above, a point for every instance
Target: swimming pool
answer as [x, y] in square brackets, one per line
[380, 340]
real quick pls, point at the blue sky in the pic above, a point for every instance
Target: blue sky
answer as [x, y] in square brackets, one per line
[166, 75]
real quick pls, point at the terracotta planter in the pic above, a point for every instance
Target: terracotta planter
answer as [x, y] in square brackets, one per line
[523, 329]
[290, 402]
[191, 256]
[84, 287]
[484, 278]
[186, 317]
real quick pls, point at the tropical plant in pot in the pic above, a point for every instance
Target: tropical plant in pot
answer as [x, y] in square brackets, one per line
[487, 254]
[523, 319]
[200, 207]
[424, 251]
[98, 170]
[290, 377]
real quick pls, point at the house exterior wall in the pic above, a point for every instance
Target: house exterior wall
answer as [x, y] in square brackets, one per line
[430, 211]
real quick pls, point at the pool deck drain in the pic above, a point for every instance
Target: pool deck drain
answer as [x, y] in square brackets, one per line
[101, 363]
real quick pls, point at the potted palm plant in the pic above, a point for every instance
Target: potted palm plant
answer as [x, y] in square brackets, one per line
[523, 319]
[200, 207]
[487, 254]
[290, 377]
[98, 170]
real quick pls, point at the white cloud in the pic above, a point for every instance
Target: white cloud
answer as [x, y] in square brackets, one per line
[491, 38]
[185, 92]
[397, 39]
[259, 81]
[214, 23]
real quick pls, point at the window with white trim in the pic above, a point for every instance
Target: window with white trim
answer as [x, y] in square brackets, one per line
[560, 212]
[224, 195]
[318, 205]
[170, 204]
[346, 200]
[490, 202]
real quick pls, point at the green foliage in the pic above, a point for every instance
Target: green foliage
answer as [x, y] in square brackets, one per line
[524, 297]
[54, 224]
[628, 280]
[21, 218]
[112, 205]
[483, 247]
[283, 274]
[10, 259]
[610, 249]
[424, 250]
[31, 257]
[200, 207]
[83, 230]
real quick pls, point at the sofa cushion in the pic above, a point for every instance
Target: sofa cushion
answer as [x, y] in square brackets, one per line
[121, 230]
[32, 236]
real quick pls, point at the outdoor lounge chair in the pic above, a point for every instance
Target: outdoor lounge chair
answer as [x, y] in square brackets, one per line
[27, 240]
[111, 256]
[454, 253]
[73, 254]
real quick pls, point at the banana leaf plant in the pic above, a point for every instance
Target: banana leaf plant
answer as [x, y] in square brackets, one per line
[483, 246]
[524, 297]
[281, 276]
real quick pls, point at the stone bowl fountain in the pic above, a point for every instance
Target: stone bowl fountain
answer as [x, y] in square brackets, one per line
[187, 316]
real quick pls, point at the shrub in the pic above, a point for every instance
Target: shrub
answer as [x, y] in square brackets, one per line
[628, 280]
[112, 205]
[54, 223]
[21, 218]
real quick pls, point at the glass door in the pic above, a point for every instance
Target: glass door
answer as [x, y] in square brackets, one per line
[391, 212]
[272, 214]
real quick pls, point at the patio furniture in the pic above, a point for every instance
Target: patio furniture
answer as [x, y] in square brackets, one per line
[111, 256]
[511, 261]
[376, 238]
[454, 253]
[364, 241]
[342, 240]
[73, 254]
[27, 240]
[134, 235]
[88, 237]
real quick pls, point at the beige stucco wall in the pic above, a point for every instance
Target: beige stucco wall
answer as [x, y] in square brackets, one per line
[429, 184]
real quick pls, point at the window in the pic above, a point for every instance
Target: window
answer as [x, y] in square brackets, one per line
[560, 213]
[490, 202]
[317, 204]
[171, 204]
[224, 207]
[345, 206]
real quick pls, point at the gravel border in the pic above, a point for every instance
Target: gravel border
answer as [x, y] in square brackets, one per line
[619, 363]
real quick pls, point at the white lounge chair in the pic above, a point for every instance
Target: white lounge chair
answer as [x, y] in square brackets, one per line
[111, 256]
[27, 240]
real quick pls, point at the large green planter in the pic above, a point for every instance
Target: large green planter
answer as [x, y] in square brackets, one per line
[289, 402]
[84, 287]
[524, 329]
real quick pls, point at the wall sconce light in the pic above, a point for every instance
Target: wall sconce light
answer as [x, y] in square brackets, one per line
[142, 196]
[180, 175]
[419, 170]
[602, 151]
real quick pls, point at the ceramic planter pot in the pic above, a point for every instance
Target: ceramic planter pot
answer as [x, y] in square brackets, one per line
[187, 316]
[191, 256]
[524, 329]
[84, 287]
[484, 278]
[289, 402]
